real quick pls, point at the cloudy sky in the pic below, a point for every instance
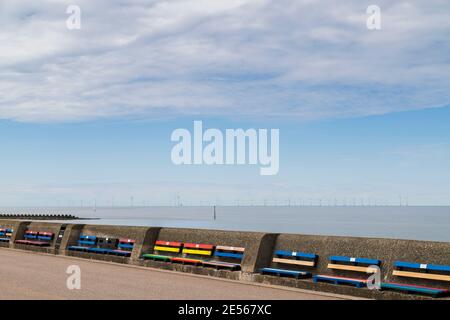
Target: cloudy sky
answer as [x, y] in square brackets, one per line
[87, 114]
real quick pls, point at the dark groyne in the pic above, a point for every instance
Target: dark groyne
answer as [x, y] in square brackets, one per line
[259, 248]
[41, 217]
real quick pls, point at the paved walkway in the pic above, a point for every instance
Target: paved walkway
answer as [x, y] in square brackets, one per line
[26, 275]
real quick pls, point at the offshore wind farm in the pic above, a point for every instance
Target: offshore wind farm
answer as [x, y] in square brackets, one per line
[398, 222]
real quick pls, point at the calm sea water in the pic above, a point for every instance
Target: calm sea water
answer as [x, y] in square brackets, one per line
[420, 223]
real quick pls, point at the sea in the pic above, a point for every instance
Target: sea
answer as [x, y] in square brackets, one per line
[398, 222]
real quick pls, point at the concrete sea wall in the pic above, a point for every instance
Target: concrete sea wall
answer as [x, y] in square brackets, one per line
[259, 248]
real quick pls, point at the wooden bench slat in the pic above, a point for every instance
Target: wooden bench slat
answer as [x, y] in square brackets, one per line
[355, 260]
[186, 260]
[121, 253]
[156, 257]
[86, 242]
[100, 250]
[167, 249]
[199, 252]
[436, 292]
[430, 276]
[86, 237]
[351, 268]
[22, 241]
[422, 266]
[228, 248]
[296, 262]
[279, 272]
[168, 243]
[46, 234]
[220, 264]
[34, 243]
[124, 240]
[229, 255]
[295, 254]
[77, 248]
[359, 283]
[125, 245]
[199, 246]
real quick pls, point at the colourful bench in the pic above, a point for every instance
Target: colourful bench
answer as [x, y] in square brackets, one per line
[419, 271]
[194, 249]
[422, 271]
[29, 234]
[125, 247]
[285, 257]
[84, 242]
[104, 246]
[36, 238]
[343, 263]
[231, 256]
[5, 234]
[171, 247]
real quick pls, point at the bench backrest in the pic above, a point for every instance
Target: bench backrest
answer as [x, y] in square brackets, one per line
[167, 246]
[6, 232]
[126, 244]
[295, 258]
[422, 271]
[29, 234]
[107, 242]
[354, 264]
[45, 236]
[87, 241]
[227, 252]
[198, 249]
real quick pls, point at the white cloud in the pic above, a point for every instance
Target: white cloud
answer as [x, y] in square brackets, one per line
[297, 59]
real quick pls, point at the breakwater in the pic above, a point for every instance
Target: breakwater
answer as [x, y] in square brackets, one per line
[33, 216]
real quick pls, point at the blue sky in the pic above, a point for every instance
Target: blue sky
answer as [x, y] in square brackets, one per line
[86, 115]
[372, 159]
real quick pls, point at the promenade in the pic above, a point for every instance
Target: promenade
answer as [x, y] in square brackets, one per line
[26, 275]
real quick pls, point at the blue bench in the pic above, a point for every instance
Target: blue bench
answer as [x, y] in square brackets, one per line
[295, 257]
[422, 271]
[84, 243]
[286, 273]
[113, 246]
[35, 238]
[30, 235]
[344, 263]
[104, 246]
[46, 236]
[125, 247]
[5, 234]
[232, 257]
[291, 258]
[419, 271]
